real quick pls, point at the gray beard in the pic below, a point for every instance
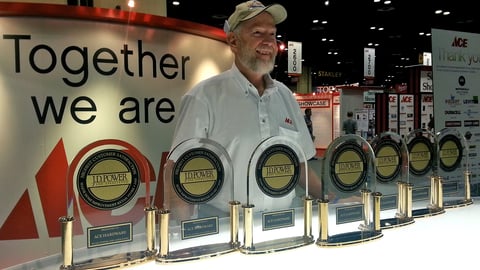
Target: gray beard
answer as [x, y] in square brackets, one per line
[250, 61]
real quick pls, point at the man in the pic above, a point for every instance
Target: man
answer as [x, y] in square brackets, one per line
[431, 125]
[243, 106]
[350, 124]
[308, 121]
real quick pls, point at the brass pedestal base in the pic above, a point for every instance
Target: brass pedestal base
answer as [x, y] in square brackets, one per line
[457, 203]
[115, 261]
[198, 252]
[350, 238]
[427, 212]
[395, 222]
[277, 245]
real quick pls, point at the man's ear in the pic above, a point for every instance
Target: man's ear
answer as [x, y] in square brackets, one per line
[232, 39]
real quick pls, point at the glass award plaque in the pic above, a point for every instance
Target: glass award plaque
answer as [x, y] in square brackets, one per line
[349, 211]
[427, 188]
[200, 216]
[276, 215]
[453, 168]
[391, 156]
[110, 179]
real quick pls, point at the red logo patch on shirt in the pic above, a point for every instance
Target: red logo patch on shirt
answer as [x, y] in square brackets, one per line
[288, 121]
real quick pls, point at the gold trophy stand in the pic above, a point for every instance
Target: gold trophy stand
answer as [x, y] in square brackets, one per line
[108, 262]
[197, 252]
[435, 207]
[250, 247]
[393, 144]
[404, 208]
[467, 200]
[367, 231]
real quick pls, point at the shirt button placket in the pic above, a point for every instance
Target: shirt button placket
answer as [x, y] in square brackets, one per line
[263, 117]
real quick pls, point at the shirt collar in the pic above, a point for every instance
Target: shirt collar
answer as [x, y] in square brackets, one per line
[248, 87]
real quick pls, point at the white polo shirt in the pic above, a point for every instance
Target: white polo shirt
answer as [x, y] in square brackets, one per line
[227, 109]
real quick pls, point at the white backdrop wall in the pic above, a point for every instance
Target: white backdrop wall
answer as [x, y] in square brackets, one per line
[456, 78]
[67, 83]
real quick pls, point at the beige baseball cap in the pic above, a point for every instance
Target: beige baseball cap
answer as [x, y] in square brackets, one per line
[247, 10]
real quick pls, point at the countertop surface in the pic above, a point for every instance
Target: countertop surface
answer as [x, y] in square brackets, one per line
[442, 241]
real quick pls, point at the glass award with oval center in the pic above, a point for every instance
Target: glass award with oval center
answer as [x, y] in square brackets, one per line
[276, 215]
[349, 211]
[391, 157]
[427, 189]
[111, 181]
[454, 168]
[200, 216]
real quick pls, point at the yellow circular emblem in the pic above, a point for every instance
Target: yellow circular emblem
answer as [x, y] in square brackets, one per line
[108, 179]
[450, 152]
[349, 167]
[198, 175]
[387, 157]
[277, 170]
[420, 153]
